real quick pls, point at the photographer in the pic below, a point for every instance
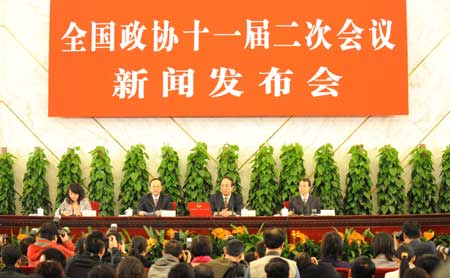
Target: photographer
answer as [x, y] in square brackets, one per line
[48, 239]
[116, 248]
[410, 235]
[172, 254]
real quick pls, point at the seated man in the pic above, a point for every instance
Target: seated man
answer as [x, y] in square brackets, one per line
[226, 202]
[304, 203]
[411, 237]
[154, 202]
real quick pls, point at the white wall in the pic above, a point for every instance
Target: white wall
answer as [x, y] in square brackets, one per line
[24, 122]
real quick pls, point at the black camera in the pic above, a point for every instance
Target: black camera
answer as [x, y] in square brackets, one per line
[399, 236]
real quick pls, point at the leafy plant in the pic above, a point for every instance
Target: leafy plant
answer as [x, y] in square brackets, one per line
[423, 193]
[101, 186]
[69, 171]
[198, 182]
[228, 157]
[390, 185]
[358, 199]
[263, 182]
[135, 179]
[7, 193]
[444, 192]
[169, 173]
[355, 244]
[155, 243]
[292, 170]
[326, 179]
[35, 186]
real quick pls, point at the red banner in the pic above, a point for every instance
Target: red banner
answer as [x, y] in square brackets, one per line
[227, 58]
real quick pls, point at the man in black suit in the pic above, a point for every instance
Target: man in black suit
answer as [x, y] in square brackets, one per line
[304, 203]
[153, 202]
[226, 202]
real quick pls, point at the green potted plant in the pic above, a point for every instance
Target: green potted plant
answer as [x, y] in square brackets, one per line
[169, 173]
[228, 158]
[358, 199]
[263, 182]
[7, 192]
[444, 192]
[198, 182]
[35, 192]
[422, 196]
[135, 179]
[69, 171]
[101, 186]
[390, 185]
[292, 170]
[326, 179]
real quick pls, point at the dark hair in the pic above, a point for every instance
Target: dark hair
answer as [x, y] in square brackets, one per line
[416, 272]
[130, 267]
[235, 247]
[24, 243]
[53, 254]
[228, 178]
[302, 260]
[48, 230]
[138, 245]
[411, 228]
[79, 245]
[115, 234]
[383, 244]
[405, 254]
[50, 269]
[428, 262]
[203, 271]
[75, 188]
[331, 245]
[174, 248]
[274, 238]
[249, 257]
[101, 271]
[363, 267]
[95, 242]
[181, 270]
[277, 268]
[10, 255]
[155, 179]
[306, 180]
[260, 248]
[201, 246]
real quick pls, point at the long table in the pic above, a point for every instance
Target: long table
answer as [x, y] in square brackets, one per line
[313, 226]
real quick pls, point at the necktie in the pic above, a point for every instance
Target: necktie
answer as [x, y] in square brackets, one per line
[156, 201]
[225, 201]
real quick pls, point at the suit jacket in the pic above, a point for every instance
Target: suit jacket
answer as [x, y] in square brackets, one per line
[234, 203]
[298, 207]
[147, 204]
[421, 248]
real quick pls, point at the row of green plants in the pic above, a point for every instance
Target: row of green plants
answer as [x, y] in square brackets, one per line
[354, 244]
[269, 188]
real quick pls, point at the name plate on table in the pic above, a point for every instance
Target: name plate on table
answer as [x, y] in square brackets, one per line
[248, 212]
[327, 212]
[89, 212]
[168, 213]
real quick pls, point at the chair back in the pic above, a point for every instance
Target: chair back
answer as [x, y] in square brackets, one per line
[380, 272]
[95, 206]
[174, 205]
[343, 271]
[286, 204]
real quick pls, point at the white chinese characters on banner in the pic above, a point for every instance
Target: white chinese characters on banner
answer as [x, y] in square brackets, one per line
[128, 83]
[324, 80]
[181, 80]
[280, 85]
[228, 82]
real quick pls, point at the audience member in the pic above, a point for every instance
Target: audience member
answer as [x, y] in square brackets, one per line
[405, 259]
[232, 261]
[201, 250]
[428, 262]
[130, 267]
[181, 270]
[383, 251]
[139, 249]
[172, 253]
[331, 250]
[50, 269]
[204, 271]
[101, 271]
[416, 272]
[363, 267]
[277, 268]
[274, 240]
[411, 236]
[53, 254]
[11, 259]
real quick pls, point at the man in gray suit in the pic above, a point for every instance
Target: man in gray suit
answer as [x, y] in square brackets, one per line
[304, 203]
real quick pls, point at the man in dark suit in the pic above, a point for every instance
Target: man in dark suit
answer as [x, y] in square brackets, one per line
[304, 203]
[411, 236]
[226, 202]
[153, 202]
